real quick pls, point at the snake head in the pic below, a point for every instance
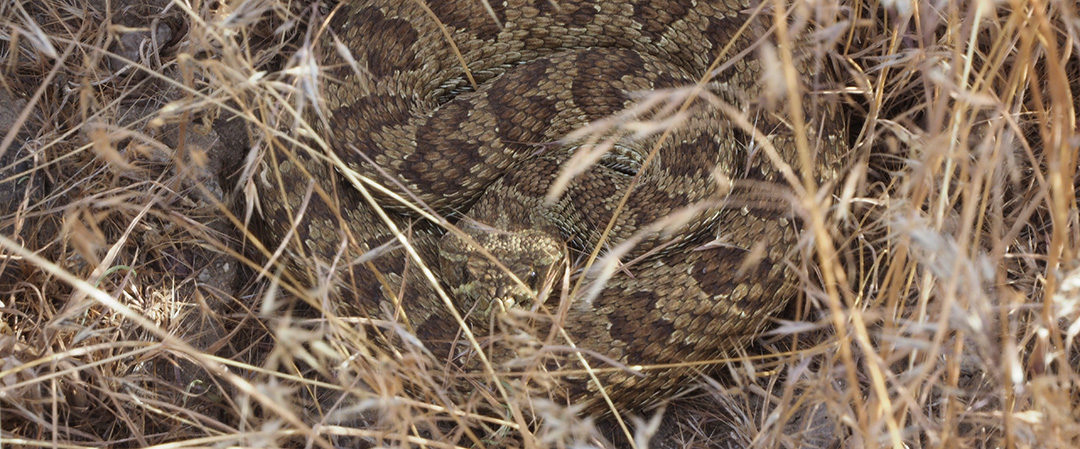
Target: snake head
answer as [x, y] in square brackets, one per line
[492, 271]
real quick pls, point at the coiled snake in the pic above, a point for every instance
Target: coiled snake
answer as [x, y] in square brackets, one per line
[464, 108]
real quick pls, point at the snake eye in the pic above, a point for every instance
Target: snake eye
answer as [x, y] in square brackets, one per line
[532, 277]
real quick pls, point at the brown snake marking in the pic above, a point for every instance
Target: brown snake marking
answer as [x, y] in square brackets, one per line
[491, 153]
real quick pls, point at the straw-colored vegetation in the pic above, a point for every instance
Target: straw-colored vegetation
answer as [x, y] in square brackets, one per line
[940, 299]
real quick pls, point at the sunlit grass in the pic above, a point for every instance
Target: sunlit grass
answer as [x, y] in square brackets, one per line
[941, 287]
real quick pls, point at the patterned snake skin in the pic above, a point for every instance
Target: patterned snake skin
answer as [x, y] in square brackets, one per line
[483, 146]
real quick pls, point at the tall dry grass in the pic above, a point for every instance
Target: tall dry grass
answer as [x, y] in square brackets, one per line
[940, 299]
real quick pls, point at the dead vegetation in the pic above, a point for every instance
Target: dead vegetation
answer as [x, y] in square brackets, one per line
[939, 310]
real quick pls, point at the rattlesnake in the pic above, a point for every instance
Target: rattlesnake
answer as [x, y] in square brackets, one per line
[483, 147]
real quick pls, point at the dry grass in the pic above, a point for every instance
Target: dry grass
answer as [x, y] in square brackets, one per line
[941, 296]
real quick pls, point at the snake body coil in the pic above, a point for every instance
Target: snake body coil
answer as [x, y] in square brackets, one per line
[464, 107]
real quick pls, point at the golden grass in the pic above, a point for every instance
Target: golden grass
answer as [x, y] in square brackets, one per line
[941, 294]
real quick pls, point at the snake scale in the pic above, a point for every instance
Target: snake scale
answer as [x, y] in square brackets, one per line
[464, 107]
